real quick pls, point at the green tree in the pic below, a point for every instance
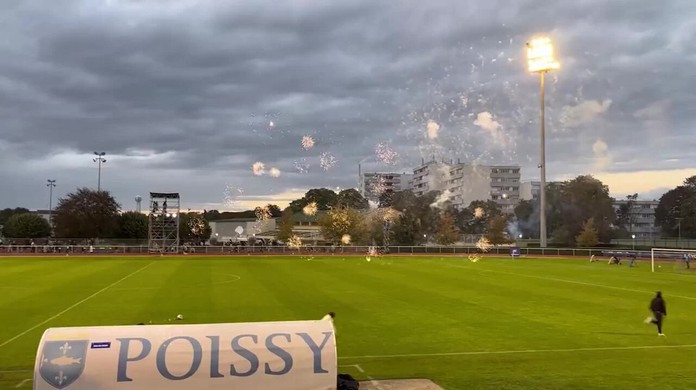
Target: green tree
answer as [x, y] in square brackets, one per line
[132, 225]
[86, 214]
[5, 214]
[588, 235]
[406, 230]
[27, 225]
[496, 230]
[324, 198]
[193, 228]
[285, 226]
[351, 198]
[448, 232]
[676, 211]
[475, 218]
[573, 202]
[274, 210]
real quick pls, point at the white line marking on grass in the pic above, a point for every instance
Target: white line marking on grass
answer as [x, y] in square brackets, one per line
[22, 383]
[359, 368]
[13, 371]
[468, 353]
[75, 305]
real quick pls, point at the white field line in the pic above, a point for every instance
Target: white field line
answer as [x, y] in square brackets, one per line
[474, 353]
[74, 305]
[22, 383]
[578, 282]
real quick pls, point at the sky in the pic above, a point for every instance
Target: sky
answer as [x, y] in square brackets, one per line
[239, 103]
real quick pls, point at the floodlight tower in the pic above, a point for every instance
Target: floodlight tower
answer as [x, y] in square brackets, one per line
[541, 59]
[100, 160]
[138, 201]
[51, 184]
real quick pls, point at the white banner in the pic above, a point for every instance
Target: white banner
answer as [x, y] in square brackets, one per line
[289, 355]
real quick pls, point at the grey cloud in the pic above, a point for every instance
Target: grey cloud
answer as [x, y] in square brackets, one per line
[202, 80]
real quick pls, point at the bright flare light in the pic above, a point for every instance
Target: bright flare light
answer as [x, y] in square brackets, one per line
[540, 55]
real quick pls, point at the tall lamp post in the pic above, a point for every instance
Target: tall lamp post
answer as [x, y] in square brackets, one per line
[100, 160]
[51, 184]
[540, 59]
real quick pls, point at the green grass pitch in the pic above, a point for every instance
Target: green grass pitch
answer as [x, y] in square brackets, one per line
[494, 324]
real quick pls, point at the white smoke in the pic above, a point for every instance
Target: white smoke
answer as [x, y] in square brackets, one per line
[600, 150]
[584, 112]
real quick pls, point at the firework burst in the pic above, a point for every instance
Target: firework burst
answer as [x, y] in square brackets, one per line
[294, 242]
[326, 160]
[258, 168]
[433, 128]
[262, 213]
[275, 172]
[479, 212]
[307, 142]
[385, 154]
[310, 209]
[484, 245]
[345, 240]
[301, 166]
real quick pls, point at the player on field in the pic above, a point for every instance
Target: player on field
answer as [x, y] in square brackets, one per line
[659, 310]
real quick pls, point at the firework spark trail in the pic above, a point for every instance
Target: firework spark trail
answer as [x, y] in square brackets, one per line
[479, 212]
[275, 172]
[345, 240]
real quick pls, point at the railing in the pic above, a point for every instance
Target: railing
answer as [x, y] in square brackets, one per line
[305, 250]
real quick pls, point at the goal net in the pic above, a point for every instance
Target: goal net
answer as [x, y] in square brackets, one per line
[672, 259]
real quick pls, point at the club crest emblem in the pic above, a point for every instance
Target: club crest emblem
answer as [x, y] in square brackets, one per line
[62, 362]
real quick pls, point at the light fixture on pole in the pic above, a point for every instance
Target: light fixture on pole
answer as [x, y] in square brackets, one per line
[50, 185]
[633, 236]
[541, 59]
[99, 159]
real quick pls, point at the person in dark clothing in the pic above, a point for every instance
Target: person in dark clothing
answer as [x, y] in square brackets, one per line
[659, 310]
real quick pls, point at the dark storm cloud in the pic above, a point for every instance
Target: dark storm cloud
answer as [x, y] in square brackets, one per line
[195, 85]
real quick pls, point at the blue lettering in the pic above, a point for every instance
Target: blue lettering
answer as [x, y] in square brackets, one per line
[281, 353]
[123, 358]
[195, 364]
[245, 353]
[316, 350]
[215, 357]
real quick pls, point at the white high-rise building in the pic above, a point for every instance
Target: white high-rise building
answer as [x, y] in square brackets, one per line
[464, 183]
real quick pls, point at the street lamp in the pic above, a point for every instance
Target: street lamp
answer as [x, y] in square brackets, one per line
[50, 185]
[99, 159]
[679, 230]
[540, 59]
[633, 236]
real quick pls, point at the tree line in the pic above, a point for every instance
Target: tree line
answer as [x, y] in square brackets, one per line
[579, 212]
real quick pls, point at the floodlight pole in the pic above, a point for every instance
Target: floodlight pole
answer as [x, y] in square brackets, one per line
[542, 165]
[99, 159]
[50, 185]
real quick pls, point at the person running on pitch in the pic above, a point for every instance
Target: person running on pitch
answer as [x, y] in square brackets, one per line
[659, 310]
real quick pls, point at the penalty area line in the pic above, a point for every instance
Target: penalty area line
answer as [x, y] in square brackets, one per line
[74, 305]
[511, 352]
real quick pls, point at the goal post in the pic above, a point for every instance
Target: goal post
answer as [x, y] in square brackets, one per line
[673, 254]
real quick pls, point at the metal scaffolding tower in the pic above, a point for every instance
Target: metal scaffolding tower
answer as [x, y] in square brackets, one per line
[163, 232]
